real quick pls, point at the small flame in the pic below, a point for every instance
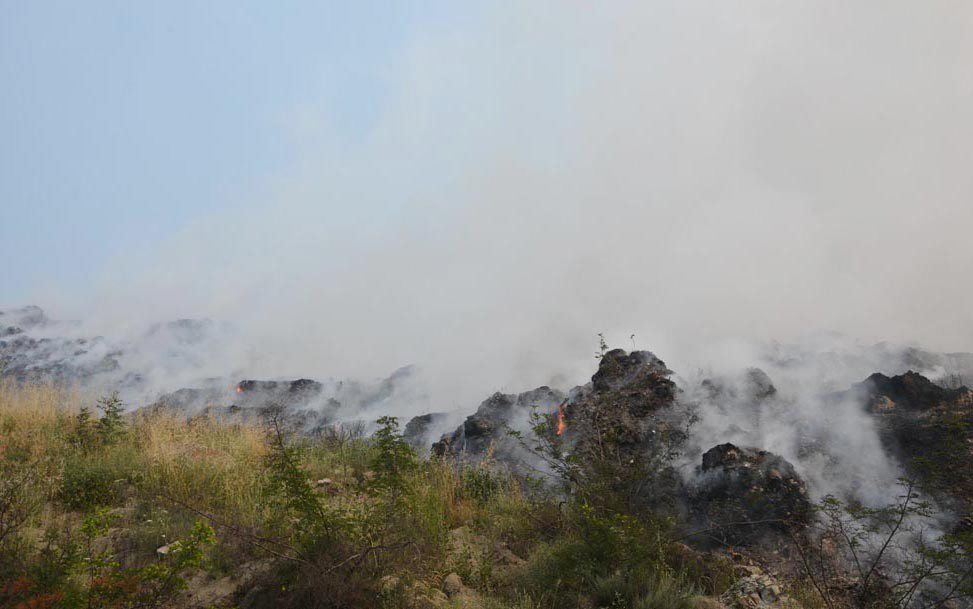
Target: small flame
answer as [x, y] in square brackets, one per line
[561, 424]
[239, 389]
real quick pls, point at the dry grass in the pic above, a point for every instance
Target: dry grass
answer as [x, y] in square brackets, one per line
[164, 472]
[208, 463]
[205, 463]
[35, 418]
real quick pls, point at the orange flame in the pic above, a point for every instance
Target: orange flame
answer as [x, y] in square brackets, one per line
[561, 425]
[239, 389]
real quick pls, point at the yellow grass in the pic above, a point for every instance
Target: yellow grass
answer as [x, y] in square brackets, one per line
[207, 463]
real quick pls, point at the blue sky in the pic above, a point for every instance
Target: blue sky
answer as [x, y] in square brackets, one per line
[122, 121]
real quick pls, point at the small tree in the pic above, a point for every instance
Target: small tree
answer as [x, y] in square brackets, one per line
[888, 553]
[394, 457]
[289, 485]
[111, 425]
[85, 432]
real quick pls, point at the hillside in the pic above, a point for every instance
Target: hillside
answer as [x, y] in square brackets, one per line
[591, 506]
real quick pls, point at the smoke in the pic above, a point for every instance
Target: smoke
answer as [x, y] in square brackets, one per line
[687, 172]
[830, 439]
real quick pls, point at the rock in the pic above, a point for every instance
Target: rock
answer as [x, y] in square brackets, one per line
[280, 394]
[388, 583]
[706, 602]
[431, 599]
[205, 591]
[757, 385]
[738, 485]
[757, 591]
[453, 585]
[748, 570]
[504, 556]
[167, 549]
[471, 549]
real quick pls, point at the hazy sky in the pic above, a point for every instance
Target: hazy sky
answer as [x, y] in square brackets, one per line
[484, 186]
[123, 121]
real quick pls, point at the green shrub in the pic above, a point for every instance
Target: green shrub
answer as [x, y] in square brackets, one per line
[482, 483]
[85, 433]
[636, 589]
[393, 459]
[92, 481]
[111, 425]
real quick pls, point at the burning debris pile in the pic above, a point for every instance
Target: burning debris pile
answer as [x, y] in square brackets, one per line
[637, 418]
[487, 431]
[622, 395]
[737, 465]
[731, 447]
[302, 405]
[746, 494]
[189, 367]
[928, 428]
[252, 400]
[34, 348]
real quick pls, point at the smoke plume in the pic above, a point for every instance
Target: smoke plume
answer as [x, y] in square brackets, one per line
[690, 173]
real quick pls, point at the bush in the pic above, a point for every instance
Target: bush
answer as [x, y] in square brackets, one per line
[896, 558]
[482, 483]
[91, 481]
[111, 425]
[394, 458]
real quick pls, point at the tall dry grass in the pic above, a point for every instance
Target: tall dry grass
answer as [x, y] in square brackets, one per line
[210, 464]
[35, 418]
[164, 472]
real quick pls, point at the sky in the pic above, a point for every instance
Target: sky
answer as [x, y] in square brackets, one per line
[481, 188]
[123, 121]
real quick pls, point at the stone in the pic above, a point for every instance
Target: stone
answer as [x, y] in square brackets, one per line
[453, 585]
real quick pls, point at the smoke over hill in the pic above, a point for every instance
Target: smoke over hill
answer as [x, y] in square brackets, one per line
[686, 172]
[774, 198]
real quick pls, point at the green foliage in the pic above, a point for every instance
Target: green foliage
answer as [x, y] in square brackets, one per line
[394, 459]
[614, 559]
[482, 483]
[89, 432]
[88, 482]
[290, 491]
[116, 493]
[614, 547]
[632, 589]
[80, 569]
[948, 463]
[19, 501]
[85, 432]
[159, 581]
[111, 425]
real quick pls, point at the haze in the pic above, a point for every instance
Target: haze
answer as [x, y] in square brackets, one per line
[481, 188]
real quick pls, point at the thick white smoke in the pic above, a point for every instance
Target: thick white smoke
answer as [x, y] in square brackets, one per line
[685, 171]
